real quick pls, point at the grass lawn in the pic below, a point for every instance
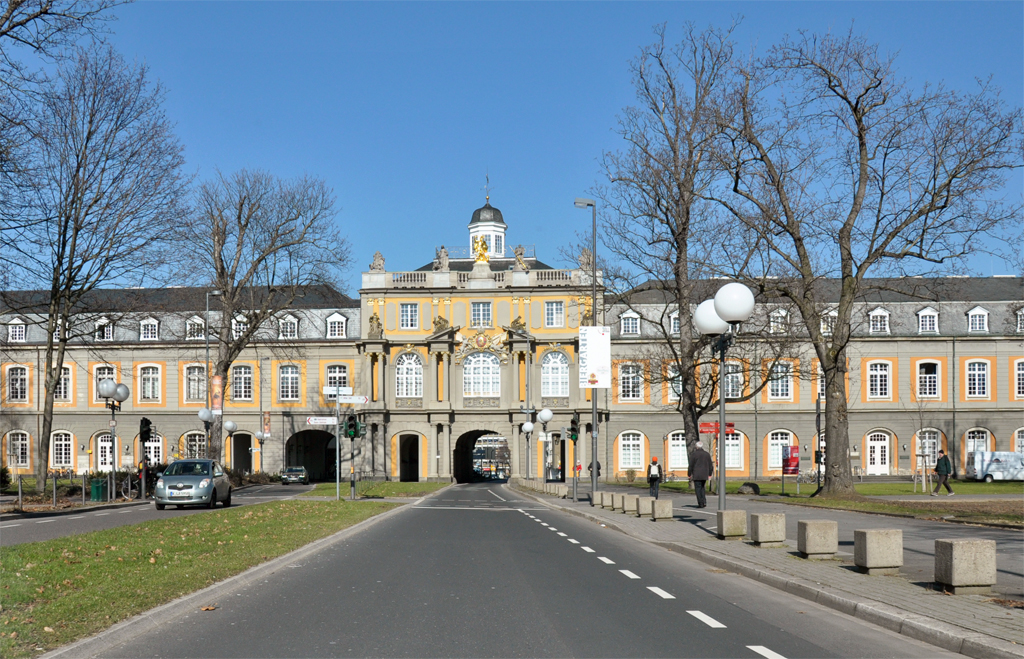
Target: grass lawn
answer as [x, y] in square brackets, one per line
[866, 489]
[58, 591]
[376, 489]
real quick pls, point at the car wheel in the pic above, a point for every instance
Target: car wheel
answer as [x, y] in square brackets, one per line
[227, 501]
[988, 478]
[160, 506]
[213, 499]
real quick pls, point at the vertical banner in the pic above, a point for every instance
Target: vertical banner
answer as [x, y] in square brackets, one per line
[595, 361]
[790, 460]
[217, 394]
[266, 425]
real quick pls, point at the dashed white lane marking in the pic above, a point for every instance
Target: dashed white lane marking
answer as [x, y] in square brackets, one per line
[629, 574]
[9, 526]
[575, 542]
[551, 528]
[562, 534]
[765, 652]
[100, 514]
[499, 498]
[543, 523]
[691, 510]
[587, 549]
[661, 593]
[706, 619]
[125, 511]
[606, 560]
[75, 517]
[46, 521]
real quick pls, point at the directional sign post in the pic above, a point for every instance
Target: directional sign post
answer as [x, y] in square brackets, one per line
[337, 391]
[321, 420]
[353, 400]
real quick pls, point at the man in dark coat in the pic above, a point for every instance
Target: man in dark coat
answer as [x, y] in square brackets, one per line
[701, 469]
[943, 469]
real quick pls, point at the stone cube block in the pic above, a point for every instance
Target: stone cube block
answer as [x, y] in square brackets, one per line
[732, 524]
[817, 538]
[768, 529]
[662, 509]
[645, 507]
[606, 499]
[629, 504]
[878, 551]
[616, 501]
[965, 566]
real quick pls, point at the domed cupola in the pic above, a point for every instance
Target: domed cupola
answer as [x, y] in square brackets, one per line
[488, 223]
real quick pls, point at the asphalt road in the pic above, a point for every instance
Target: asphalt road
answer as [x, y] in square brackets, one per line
[480, 571]
[43, 526]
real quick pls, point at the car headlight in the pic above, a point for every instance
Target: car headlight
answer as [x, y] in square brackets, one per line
[159, 482]
[203, 483]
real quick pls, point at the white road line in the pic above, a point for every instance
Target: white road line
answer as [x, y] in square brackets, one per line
[699, 512]
[575, 542]
[551, 528]
[131, 511]
[765, 652]
[545, 523]
[706, 619]
[46, 521]
[81, 516]
[500, 499]
[9, 526]
[660, 593]
[607, 561]
[562, 534]
[629, 574]
[100, 514]
[587, 549]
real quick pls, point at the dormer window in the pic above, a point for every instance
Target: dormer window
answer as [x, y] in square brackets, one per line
[16, 331]
[778, 321]
[336, 326]
[878, 322]
[977, 320]
[928, 321]
[1020, 320]
[194, 328]
[239, 326]
[149, 330]
[289, 328]
[629, 323]
[104, 330]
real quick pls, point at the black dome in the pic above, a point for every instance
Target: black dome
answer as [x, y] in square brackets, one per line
[487, 213]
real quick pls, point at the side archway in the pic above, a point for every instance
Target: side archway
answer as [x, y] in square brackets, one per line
[310, 449]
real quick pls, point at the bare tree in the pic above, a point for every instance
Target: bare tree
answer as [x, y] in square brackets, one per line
[838, 169]
[261, 241]
[106, 183]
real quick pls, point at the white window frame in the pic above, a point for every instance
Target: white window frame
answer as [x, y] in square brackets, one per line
[678, 458]
[828, 323]
[780, 388]
[820, 386]
[733, 369]
[980, 315]
[104, 330]
[878, 322]
[554, 375]
[554, 313]
[1018, 369]
[975, 435]
[409, 315]
[195, 383]
[195, 445]
[921, 393]
[778, 321]
[879, 379]
[154, 449]
[239, 326]
[241, 382]
[62, 392]
[19, 444]
[409, 376]
[631, 450]
[113, 375]
[631, 383]
[499, 245]
[673, 323]
[629, 324]
[926, 316]
[734, 453]
[62, 449]
[145, 381]
[16, 331]
[480, 314]
[481, 376]
[673, 383]
[776, 440]
[1020, 321]
[195, 329]
[1018, 441]
[145, 326]
[289, 383]
[978, 381]
[931, 452]
[336, 378]
[288, 328]
[337, 326]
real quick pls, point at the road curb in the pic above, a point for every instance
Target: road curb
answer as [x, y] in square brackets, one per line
[921, 628]
[137, 625]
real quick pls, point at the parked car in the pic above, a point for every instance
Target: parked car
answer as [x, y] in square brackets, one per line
[192, 482]
[991, 466]
[295, 475]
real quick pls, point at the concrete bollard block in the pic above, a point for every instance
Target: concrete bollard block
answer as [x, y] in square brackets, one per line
[768, 529]
[617, 501]
[732, 524]
[817, 538]
[562, 491]
[662, 509]
[629, 503]
[606, 499]
[878, 551]
[645, 507]
[965, 566]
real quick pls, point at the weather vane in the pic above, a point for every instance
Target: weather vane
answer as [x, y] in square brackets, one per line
[487, 187]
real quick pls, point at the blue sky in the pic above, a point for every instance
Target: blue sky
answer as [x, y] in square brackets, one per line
[404, 107]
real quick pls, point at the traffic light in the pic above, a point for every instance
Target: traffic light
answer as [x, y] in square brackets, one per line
[145, 431]
[351, 426]
[574, 427]
[360, 429]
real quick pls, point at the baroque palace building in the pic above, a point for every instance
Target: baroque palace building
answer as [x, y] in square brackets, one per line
[463, 348]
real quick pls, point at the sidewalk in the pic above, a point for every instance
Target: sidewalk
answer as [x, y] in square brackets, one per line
[969, 624]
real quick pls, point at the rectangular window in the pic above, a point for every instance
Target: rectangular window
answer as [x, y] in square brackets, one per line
[631, 453]
[733, 380]
[778, 322]
[480, 314]
[241, 383]
[828, 324]
[17, 384]
[554, 314]
[678, 460]
[821, 383]
[928, 446]
[978, 322]
[674, 383]
[239, 326]
[193, 330]
[733, 451]
[16, 333]
[150, 331]
[62, 391]
[780, 382]
[102, 373]
[19, 448]
[150, 381]
[928, 323]
[977, 380]
[195, 383]
[674, 324]
[878, 380]
[499, 244]
[775, 443]
[335, 329]
[928, 380]
[1020, 321]
[337, 376]
[879, 323]
[289, 383]
[1020, 379]
[630, 383]
[410, 316]
[289, 329]
[104, 331]
[630, 325]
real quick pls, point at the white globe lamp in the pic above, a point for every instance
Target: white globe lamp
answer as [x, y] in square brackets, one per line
[121, 393]
[107, 388]
[528, 427]
[205, 415]
[545, 415]
[734, 303]
[230, 427]
[707, 321]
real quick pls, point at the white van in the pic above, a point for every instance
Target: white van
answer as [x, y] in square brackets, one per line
[995, 466]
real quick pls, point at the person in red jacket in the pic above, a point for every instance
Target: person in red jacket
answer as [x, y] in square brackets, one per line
[702, 468]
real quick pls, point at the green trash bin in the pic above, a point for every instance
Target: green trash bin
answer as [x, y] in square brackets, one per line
[99, 489]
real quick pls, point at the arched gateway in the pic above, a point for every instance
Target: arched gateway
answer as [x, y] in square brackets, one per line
[462, 455]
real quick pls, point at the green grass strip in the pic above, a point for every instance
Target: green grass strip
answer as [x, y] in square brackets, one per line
[376, 489]
[58, 591]
[864, 489]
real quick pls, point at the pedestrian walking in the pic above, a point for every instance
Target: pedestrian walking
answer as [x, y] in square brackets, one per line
[654, 477]
[701, 469]
[943, 469]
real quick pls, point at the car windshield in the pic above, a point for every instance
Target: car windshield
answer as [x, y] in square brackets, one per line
[185, 468]
[294, 470]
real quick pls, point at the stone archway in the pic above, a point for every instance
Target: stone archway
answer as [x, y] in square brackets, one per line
[310, 449]
[462, 455]
[241, 455]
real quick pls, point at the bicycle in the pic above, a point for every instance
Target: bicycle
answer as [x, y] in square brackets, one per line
[130, 487]
[809, 476]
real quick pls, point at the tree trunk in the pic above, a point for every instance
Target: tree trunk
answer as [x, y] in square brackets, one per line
[838, 476]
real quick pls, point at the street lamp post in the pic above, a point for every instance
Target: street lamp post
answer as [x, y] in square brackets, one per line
[206, 331]
[528, 429]
[206, 416]
[733, 304]
[584, 203]
[230, 427]
[544, 416]
[260, 437]
[114, 394]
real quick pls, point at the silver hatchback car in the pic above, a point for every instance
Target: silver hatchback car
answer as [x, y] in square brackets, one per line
[192, 482]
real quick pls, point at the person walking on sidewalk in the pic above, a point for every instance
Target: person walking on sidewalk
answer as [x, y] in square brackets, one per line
[943, 469]
[654, 477]
[701, 469]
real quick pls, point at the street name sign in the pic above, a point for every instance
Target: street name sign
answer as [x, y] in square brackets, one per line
[337, 391]
[321, 420]
[595, 361]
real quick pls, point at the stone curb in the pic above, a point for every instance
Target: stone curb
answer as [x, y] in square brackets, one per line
[137, 625]
[921, 628]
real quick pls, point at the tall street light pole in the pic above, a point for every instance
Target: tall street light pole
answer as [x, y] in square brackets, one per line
[114, 394]
[584, 203]
[206, 330]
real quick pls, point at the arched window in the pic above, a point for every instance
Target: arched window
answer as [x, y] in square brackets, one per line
[18, 443]
[976, 440]
[554, 374]
[678, 460]
[928, 446]
[776, 441]
[631, 451]
[105, 449]
[60, 449]
[481, 376]
[195, 445]
[409, 376]
[337, 376]
[1018, 441]
[241, 382]
[154, 449]
[289, 382]
[195, 383]
[733, 450]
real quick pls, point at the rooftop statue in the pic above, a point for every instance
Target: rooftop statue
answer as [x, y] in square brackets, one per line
[480, 250]
[586, 259]
[376, 330]
[518, 324]
[378, 263]
[441, 260]
[520, 264]
[440, 323]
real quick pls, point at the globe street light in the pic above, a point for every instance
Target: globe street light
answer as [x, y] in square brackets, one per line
[260, 437]
[206, 330]
[544, 416]
[114, 394]
[733, 304]
[206, 416]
